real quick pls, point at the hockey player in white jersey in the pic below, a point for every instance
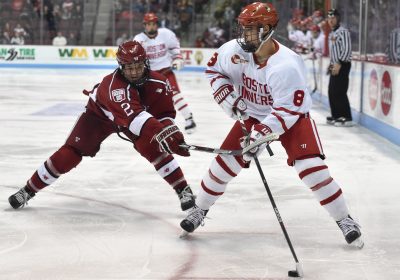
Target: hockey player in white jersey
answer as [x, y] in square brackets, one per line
[265, 81]
[164, 53]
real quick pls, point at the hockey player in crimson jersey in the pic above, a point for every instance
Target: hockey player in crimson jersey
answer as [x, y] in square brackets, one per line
[265, 81]
[164, 53]
[132, 100]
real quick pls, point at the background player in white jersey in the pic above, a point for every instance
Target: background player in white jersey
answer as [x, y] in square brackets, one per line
[164, 52]
[265, 81]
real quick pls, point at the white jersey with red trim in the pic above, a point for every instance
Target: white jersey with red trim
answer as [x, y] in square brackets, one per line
[162, 49]
[275, 93]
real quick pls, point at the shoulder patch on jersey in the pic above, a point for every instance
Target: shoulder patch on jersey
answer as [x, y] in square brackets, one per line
[236, 59]
[118, 95]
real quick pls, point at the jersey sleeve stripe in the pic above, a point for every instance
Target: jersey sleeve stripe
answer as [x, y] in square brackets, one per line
[137, 123]
[287, 111]
[215, 72]
[281, 120]
[216, 78]
[158, 81]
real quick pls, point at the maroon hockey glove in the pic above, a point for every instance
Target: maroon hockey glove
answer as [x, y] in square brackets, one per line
[257, 131]
[169, 139]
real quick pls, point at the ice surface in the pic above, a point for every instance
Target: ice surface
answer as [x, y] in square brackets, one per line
[113, 217]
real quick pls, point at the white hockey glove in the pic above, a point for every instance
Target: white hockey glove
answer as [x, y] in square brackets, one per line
[177, 64]
[231, 102]
[257, 131]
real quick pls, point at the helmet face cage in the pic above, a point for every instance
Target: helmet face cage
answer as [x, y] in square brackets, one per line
[247, 39]
[145, 76]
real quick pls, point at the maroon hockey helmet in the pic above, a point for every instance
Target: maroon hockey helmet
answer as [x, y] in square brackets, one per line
[130, 52]
[150, 17]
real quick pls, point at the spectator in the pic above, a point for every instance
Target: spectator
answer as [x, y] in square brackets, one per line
[67, 8]
[59, 40]
[6, 40]
[17, 39]
[72, 40]
[19, 29]
[199, 43]
[121, 39]
[164, 22]
[185, 13]
[394, 46]
[339, 70]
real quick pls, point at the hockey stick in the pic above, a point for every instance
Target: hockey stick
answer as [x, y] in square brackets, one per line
[299, 270]
[267, 138]
[211, 150]
[315, 77]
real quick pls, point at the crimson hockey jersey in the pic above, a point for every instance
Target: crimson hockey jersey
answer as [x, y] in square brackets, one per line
[129, 106]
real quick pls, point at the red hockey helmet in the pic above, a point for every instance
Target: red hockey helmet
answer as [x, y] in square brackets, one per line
[150, 17]
[315, 28]
[259, 14]
[130, 52]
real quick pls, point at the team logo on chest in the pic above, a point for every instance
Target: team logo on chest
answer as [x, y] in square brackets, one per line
[118, 95]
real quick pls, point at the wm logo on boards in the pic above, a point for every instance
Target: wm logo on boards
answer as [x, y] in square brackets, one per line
[104, 53]
[73, 53]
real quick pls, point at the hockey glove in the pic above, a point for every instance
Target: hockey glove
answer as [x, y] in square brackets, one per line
[230, 101]
[177, 64]
[169, 139]
[257, 131]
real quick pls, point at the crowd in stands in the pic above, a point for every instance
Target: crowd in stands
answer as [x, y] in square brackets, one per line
[197, 23]
[20, 21]
[222, 27]
[175, 15]
[309, 33]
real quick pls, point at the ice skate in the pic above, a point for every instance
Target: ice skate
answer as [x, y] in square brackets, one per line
[351, 231]
[186, 198]
[21, 198]
[344, 122]
[190, 125]
[330, 120]
[194, 219]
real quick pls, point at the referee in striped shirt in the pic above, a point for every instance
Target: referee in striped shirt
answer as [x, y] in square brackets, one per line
[339, 70]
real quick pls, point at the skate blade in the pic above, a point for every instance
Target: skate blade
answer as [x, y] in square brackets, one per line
[184, 234]
[359, 243]
[347, 124]
[190, 130]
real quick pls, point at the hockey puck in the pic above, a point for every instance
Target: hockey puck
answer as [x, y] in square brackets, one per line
[293, 273]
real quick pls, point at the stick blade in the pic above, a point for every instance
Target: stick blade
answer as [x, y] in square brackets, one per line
[298, 273]
[184, 234]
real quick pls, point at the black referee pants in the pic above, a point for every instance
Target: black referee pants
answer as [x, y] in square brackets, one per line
[337, 93]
